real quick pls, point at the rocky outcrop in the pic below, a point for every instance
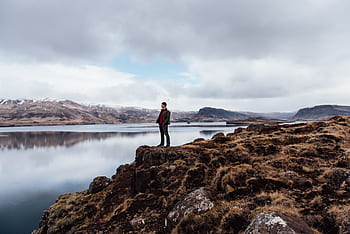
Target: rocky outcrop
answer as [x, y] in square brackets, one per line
[197, 202]
[147, 156]
[266, 223]
[98, 184]
[291, 178]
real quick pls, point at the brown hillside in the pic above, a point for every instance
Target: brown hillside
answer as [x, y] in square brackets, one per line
[54, 113]
[321, 112]
[264, 179]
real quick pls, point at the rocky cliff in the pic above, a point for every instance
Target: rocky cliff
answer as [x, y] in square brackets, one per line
[291, 178]
[215, 114]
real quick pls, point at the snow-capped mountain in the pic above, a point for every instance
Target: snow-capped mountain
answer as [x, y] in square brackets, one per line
[14, 101]
[21, 112]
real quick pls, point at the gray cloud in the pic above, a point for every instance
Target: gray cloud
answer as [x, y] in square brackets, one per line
[302, 30]
[232, 47]
[90, 30]
[52, 30]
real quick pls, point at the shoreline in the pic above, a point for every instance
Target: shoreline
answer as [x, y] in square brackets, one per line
[205, 124]
[113, 128]
[235, 123]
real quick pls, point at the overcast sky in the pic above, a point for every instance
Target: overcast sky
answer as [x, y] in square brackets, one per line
[254, 55]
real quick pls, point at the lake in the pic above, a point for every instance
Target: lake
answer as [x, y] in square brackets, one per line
[39, 163]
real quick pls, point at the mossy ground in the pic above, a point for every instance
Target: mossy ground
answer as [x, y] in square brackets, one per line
[299, 169]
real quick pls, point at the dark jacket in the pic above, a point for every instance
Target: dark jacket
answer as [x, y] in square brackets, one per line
[166, 116]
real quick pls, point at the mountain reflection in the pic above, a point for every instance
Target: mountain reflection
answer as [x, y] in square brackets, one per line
[29, 140]
[208, 132]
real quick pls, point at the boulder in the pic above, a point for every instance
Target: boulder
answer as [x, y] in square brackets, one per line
[199, 139]
[219, 134]
[266, 223]
[147, 156]
[220, 138]
[238, 130]
[197, 202]
[98, 184]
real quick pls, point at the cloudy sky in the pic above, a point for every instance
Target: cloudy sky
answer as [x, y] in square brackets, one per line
[254, 55]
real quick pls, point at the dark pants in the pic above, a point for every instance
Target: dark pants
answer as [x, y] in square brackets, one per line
[163, 128]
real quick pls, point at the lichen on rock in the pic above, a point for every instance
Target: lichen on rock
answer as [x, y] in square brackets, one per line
[266, 223]
[197, 201]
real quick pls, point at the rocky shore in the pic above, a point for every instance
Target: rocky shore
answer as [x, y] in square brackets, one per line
[292, 178]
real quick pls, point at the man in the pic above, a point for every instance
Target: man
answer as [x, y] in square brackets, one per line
[164, 121]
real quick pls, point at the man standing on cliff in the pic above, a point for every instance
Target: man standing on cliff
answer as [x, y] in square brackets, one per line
[164, 121]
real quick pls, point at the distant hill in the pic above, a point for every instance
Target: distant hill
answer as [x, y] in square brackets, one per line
[59, 112]
[321, 112]
[45, 112]
[215, 114]
[24, 112]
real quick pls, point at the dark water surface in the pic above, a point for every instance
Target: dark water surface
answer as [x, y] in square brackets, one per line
[37, 164]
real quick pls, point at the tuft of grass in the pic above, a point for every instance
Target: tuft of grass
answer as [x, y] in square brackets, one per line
[280, 203]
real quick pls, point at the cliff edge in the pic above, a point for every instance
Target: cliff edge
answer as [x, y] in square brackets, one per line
[292, 178]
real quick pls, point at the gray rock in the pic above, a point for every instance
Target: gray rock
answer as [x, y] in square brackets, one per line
[137, 223]
[98, 184]
[197, 202]
[267, 223]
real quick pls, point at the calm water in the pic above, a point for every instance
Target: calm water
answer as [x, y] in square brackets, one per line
[39, 163]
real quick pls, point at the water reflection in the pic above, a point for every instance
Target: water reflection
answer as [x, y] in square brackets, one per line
[208, 132]
[29, 140]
